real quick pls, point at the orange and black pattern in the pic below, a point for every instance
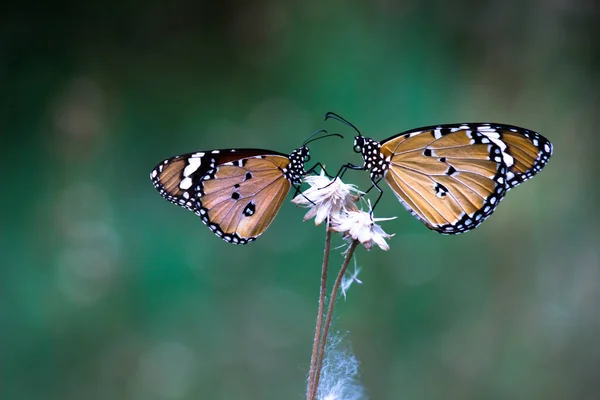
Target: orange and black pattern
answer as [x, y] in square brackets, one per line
[236, 192]
[452, 177]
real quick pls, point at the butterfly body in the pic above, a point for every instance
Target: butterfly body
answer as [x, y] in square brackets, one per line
[236, 192]
[452, 177]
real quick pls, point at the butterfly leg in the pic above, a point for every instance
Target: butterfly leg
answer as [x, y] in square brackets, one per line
[375, 185]
[342, 171]
[346, 167]
[298, 190]
[314, 167]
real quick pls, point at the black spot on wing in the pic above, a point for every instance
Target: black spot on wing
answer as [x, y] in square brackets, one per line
[249, 209]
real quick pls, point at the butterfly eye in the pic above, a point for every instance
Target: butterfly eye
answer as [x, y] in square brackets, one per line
[306, 158]
[357, 148]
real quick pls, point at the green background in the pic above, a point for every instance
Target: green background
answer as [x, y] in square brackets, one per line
[109, 292]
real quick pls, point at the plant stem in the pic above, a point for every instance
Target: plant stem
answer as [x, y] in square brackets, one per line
[323, 341]
[319, 325]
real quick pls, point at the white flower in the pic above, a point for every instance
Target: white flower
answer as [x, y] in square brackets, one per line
[360, 225]
[327, 198]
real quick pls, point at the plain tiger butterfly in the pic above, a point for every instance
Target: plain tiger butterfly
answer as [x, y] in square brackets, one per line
[452, 177]
[236, 192]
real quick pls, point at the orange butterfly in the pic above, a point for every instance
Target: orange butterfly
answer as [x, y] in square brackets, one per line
[236, 192]
[452, 177]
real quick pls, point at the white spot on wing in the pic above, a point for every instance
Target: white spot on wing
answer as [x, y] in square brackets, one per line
[490, 133]
[193, 165]
[186, 183]
[495, 138]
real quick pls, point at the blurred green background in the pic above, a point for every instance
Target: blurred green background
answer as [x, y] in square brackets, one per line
[109, 292]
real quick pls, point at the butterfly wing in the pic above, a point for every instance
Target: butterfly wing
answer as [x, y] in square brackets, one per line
[529, 151]
[452, 177]
[236, 192]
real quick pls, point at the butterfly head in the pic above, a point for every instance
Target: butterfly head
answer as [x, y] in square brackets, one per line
[295, 172]
[295, 169]
[359, 143]
[370, 150]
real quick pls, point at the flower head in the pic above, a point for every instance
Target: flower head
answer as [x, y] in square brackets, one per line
[360, 225]
[327, 198]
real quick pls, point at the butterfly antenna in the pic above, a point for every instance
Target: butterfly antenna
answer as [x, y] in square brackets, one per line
[342, 120]
[322, 137]
[308, 139]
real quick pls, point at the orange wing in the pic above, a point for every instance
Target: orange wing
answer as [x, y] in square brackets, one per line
[452, 177]
[237, 193]
[240, 202]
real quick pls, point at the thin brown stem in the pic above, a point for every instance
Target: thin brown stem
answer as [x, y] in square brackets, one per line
[319, 325]
[336, 286]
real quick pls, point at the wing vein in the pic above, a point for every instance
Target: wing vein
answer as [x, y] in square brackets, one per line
[422, 196]
[421, 172]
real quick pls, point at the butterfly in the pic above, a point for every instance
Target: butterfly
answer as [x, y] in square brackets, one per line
[236, 192]
[451, 177]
